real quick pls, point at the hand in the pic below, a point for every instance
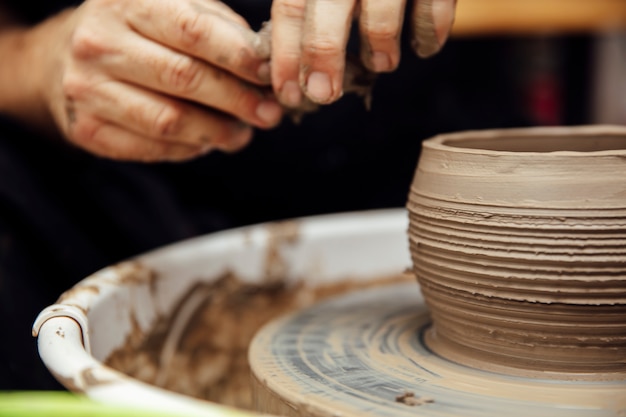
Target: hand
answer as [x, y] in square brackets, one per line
[309, 40]
[158, 80]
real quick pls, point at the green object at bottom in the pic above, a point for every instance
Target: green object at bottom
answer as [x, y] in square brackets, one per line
[64, 404]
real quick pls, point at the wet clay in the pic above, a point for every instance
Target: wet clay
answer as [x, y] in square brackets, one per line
[357, 79]
[200, 349]
[518, 239]
[425, 41]
[363, 354]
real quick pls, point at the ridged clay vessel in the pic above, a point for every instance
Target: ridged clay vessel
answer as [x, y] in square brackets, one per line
[518, 241]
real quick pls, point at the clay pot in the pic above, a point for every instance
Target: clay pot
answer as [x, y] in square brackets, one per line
[518, 239]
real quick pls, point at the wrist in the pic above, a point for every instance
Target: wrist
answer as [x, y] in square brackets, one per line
[29, 72]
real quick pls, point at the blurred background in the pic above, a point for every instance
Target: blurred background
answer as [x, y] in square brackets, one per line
[569, 56]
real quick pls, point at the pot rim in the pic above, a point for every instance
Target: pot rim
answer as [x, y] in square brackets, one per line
[446, 141]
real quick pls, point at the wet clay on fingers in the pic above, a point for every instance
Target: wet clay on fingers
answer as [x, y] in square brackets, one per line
[357, 79]
[425, 41]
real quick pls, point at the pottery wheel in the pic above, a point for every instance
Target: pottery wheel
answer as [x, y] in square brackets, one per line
[363, 354]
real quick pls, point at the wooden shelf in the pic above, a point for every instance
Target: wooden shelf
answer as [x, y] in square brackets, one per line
[518, 17]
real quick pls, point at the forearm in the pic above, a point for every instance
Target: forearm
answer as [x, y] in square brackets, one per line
[26, 52]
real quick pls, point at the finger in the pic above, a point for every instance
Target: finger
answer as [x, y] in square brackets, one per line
[431, 24]
[444, 12]
[108, 140]
[200, 30]
[162, 118]
[161, 69]
[287, 24]
[380, 25]
[326, 30]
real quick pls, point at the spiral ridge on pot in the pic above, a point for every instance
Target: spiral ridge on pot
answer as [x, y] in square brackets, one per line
[518, 240]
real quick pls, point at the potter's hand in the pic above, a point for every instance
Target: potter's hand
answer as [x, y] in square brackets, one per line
[159, 80]
[309, 39]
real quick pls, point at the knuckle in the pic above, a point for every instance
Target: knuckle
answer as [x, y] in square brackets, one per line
[192, 29]
[381, 30]
[167, 121]
[184, 75]
[294, 9]
[321, 47]
[86, 44]
[85, 131]
[245, 59]
[74, 86]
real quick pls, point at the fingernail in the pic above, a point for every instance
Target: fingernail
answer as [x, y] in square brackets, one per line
[444, 32]
[381, 62]
[269, 112]
[290, 94]
[318, 87]
[264, 73]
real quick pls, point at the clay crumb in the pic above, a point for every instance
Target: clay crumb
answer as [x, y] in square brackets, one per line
[410, 399]
[357, 79]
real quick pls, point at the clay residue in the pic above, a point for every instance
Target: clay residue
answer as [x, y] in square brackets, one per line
[280, 235]
[134, 272]
[409, 398]
[357, 79]
[82, 309]
[210, 330]
[77, 289]
[424, 41]
[67, 382]
[91, 378]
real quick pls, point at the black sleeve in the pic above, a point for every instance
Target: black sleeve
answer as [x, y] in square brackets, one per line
[34, 11]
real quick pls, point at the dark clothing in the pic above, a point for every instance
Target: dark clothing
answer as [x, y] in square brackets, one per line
[65, 213]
